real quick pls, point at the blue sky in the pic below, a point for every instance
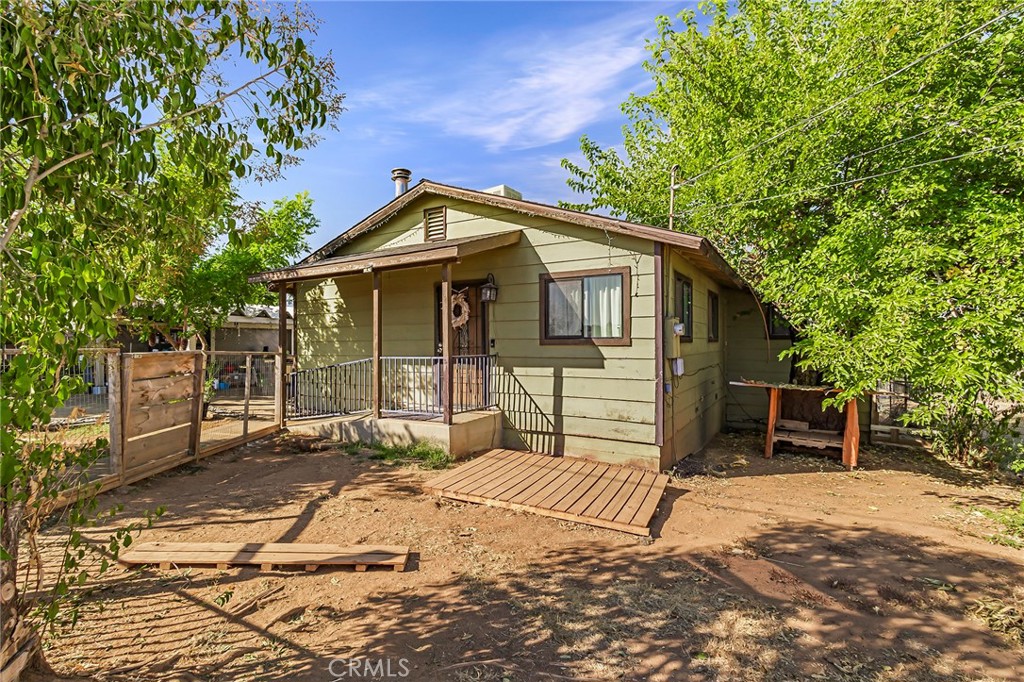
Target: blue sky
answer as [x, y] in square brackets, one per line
[467, 93]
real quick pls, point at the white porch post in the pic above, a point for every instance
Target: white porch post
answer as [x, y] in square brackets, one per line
[446, 341]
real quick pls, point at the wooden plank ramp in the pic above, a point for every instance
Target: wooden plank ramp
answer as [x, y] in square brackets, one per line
[266, 555]
[616, 497]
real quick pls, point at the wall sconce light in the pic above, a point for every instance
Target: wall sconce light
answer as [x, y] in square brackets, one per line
[489, 291]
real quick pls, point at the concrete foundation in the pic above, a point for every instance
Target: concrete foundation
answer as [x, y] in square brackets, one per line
[470, 432]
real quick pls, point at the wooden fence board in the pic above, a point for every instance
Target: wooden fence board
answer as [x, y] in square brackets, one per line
[139, 451]
[157, 365]
[161, 389]
[146, 419]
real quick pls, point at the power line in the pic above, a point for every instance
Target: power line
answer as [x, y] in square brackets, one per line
[851, 96]
[851, 182]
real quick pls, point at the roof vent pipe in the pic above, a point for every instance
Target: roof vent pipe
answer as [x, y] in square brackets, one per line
[401, 177]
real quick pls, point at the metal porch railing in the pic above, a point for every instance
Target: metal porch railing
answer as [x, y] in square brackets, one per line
[410, 386]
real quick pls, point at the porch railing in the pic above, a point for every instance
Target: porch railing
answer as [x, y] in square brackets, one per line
[410, 385]
[343, 388]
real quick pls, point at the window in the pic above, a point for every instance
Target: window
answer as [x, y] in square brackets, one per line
[778, 327]
[585, 307]
[435, 224]
[684, 305]
[712, 316]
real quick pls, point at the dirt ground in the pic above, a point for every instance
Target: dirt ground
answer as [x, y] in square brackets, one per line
[782, 569]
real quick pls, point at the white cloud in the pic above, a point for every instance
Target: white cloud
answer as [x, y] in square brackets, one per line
[527, 91]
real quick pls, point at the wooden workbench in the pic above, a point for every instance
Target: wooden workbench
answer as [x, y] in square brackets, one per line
[800, 432]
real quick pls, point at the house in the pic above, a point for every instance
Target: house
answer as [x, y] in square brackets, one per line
[479, 319]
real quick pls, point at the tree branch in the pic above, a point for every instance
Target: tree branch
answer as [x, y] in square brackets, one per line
[34, 176]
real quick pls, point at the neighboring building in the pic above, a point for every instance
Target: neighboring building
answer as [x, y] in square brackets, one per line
[251, 328]
[607, 339]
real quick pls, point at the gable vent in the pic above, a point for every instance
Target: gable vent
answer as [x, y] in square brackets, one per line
[435, 224]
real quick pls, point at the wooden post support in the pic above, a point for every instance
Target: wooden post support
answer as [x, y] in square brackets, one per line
[774, 403]
[280, 362]
[448, 374]
[115, 388]
[248, 391]
[198, 393]
[851, 435]
[378, 341]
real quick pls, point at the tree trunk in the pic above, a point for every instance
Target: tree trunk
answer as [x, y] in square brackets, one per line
[10, 607]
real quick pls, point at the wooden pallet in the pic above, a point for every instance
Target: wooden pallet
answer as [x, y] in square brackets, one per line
[266, 555]
[567, 488]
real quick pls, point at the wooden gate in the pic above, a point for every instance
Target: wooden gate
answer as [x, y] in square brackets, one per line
[161, 414]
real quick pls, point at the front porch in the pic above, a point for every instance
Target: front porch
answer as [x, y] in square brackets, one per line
[469, 432]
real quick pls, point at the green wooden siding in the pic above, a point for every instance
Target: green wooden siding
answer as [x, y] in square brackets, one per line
[583, 400]
[695, 401]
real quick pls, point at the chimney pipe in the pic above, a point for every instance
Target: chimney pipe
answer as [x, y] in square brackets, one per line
[401, 177]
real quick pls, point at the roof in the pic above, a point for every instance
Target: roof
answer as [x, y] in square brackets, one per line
[412, 255]
[262, 311]
[700, 249]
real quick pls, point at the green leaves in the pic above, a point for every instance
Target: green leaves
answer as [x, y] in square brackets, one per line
[914, 274]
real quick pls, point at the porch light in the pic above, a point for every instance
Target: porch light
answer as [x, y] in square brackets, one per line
[489, 291]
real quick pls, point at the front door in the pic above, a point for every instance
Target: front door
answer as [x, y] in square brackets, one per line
[469, 342]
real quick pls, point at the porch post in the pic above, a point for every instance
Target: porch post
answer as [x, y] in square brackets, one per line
[280, 360]
[446, 341]
[377, 341]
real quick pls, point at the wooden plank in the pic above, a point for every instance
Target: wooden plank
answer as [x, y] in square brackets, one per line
[793, 425]
[544, 475]
[221, 446]
[646, 511]
[497, 476]
[605, 481]
[583, 486]
[568, 474]
[851, 437]
[553, 513]
[446, 341]
[474, 469]
[161, 390]
[487, 474]
[156, 365]
[116, 398]
[618, 480]
[513, 484]
[297, 548]
[486, 459]
[549, 476]
[636, 498]
[146, 419]
[195, 435]
[156, 445]
[617, 503]
[154, 467]
[556, 495]
[226, 554]
[378, 340]
[774, 398]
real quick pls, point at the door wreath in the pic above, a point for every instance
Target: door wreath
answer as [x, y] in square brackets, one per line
[460, 309]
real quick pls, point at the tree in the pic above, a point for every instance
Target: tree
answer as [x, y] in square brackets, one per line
[860, 163]
[90, 93]
[201, 291]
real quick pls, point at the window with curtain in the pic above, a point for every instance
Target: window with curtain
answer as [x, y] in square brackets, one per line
[585, 307]
[684, 305]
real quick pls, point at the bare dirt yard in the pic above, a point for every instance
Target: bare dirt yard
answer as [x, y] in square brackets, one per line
[782, 569]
